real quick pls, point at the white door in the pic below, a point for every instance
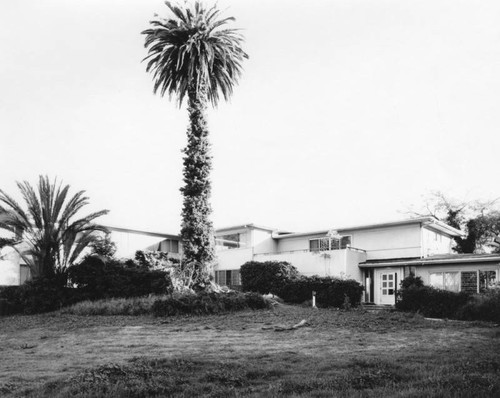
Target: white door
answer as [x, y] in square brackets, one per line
[387, 288]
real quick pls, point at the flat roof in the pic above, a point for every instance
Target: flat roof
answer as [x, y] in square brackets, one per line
[440, 259]
[428, 221]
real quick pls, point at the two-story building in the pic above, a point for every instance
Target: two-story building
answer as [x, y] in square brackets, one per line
[377, 255]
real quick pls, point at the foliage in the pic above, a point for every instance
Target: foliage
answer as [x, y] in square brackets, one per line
[208, 303]
[479, 219]
[52, 237]
[155, 260]
[192, 53]
[411, 281]
[113, 306]
[96, 278]
[266, 277]
[330, 292]
[431, 302]
[38, 295]
[103, 246]
[484, 307]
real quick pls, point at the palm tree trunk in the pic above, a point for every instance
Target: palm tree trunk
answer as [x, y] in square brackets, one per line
[197, 230]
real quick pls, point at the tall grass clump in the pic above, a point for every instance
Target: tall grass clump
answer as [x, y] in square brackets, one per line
[204, 303]
[114, 306]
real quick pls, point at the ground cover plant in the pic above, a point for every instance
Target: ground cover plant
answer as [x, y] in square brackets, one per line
[337, 353]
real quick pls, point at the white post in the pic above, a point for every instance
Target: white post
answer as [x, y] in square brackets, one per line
[314, 299]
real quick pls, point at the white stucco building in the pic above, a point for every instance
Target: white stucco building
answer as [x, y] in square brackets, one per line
[377, 255]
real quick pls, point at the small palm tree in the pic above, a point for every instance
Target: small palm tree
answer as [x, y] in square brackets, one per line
[193, 54]
[49, 237]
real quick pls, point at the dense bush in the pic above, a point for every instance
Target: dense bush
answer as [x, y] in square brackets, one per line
[330, 292]
[98, 278]
[38, 295]
[208, 303]
[431, 302]
[484, 307]
[266, 277]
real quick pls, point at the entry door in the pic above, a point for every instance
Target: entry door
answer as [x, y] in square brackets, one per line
[387, 288]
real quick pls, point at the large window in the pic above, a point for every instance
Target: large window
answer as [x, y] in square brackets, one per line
[327, 243]
[445, 280]
[228, 277]
[230, 241]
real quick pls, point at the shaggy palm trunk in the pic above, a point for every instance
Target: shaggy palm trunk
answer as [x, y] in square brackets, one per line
[197, 230]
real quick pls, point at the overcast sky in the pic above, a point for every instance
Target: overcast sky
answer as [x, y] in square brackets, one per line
[347, 111]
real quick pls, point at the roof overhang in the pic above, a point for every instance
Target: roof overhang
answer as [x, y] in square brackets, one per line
[441, 260]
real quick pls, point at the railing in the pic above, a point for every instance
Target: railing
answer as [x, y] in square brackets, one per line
[311, 251]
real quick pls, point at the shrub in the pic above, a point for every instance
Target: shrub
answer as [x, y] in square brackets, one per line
[208, 303]
[330, 292]
[431, 302]
[484, 307]
[266, 277]
[113, 306]
[38, 295]
[98, 278]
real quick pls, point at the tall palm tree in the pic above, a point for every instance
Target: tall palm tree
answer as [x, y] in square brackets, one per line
[49, 237]
[193, 54]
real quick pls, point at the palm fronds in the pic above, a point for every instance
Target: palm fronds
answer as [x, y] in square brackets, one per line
[48, 236]
[189, 51]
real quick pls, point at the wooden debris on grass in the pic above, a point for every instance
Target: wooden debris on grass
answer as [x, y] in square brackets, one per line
[302, 323]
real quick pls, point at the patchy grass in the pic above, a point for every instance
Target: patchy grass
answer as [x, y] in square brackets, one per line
[351, 354]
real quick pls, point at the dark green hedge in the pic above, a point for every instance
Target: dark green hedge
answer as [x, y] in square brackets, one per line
[431, 302]
[266, 277]
[98, 278]
[209, 303]
[330, 292]
[94, 278]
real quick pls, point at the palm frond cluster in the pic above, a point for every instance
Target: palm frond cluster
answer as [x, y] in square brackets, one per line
[50, 236]
[192, 51]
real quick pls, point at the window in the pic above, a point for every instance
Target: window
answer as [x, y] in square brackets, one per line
[169, 246]
[323, 244]
[445, 281]
[230, 241]
[486, 279]
[228, 277]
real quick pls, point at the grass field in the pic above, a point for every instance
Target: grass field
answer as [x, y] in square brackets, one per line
[352, 354]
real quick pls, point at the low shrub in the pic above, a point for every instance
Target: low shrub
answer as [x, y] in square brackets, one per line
[266, 277]
[484, 307]
[431, 302]
[208, 303]
[330, 292]
[113, 306]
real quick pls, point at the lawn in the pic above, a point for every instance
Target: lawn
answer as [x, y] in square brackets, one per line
[337, 353]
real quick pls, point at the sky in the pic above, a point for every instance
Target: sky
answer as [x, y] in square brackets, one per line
[347, 112]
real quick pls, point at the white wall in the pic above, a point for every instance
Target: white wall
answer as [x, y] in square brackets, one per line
[337, 263]
[233, 258]
[391, 242]
[296, 242]
[435, 242]
[9, 268]
[263, 242]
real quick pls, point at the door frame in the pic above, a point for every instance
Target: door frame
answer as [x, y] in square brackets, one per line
[397, 272]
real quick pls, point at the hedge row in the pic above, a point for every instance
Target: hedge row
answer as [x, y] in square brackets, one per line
[283, 280]
[330, 292]
[93, 279]
[436, 303]
[208, 303]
